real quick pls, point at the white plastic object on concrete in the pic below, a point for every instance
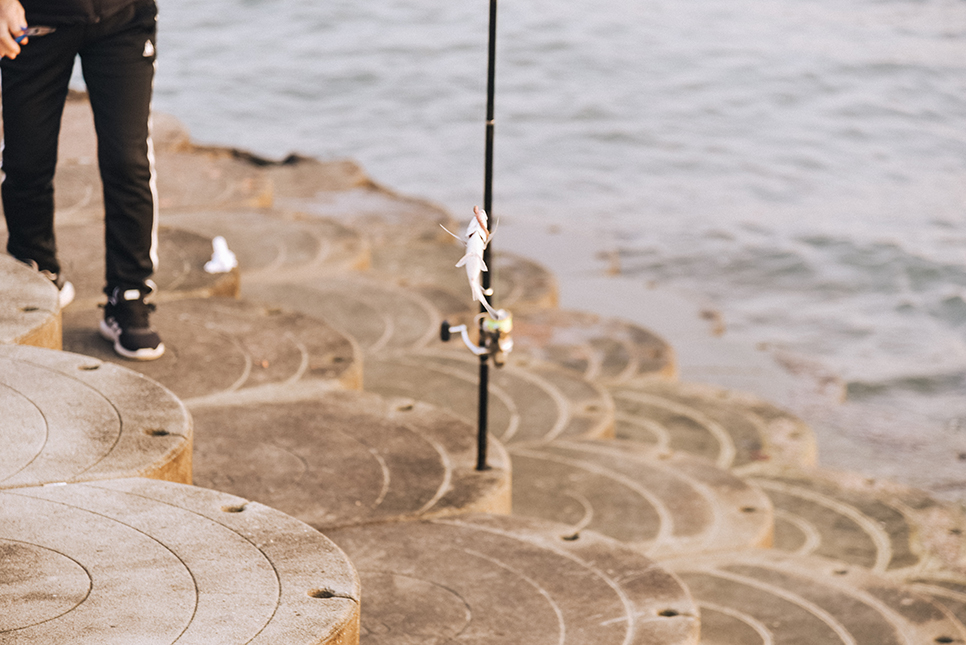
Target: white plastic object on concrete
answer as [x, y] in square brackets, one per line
[223, 259]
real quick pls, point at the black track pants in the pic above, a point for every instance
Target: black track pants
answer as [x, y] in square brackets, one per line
[117, 57]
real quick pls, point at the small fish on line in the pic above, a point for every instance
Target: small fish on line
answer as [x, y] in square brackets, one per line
[475, 241]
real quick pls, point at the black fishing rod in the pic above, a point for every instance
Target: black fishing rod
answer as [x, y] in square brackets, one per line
[494, 326]
[488, 207]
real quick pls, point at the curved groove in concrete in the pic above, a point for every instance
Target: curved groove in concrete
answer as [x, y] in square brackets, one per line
[522, 582]
[165, 560]
[726, 445]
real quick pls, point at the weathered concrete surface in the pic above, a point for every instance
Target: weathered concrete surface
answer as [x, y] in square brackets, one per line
[228, 349]
[947, 588]
[380, 317]
[395, 307]
[762, 597]
[521, 284]
[655, 501]
[181, 274]
[735, 430]
[881, 526]
[408, 246]
[349, 458]
[278, 246]
[142, 561]
[605, 350]
[342, 192]
[320, 240]
[492, 579]
[29, 313]
[70, 418]
[542, 402]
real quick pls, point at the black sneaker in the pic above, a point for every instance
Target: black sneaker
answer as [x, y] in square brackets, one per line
[65, 290]
[126, 324]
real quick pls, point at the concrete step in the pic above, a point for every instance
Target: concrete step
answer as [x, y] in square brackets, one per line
[142, 561]
[277, 246]
[759, 597]
[736, 431]
[947, 588]
[191, 177]
[182, 256]
[408, 245]
[341, 191]
[185, 178]
[607, 351]
[436, 296]
[378, 313]
[348, 458]
[519, 284]
[69, 418]
[539, 403]
[232, 350]
[29, 312]
[491, 579]
[881, 526]
[655, 501]
[378, 316]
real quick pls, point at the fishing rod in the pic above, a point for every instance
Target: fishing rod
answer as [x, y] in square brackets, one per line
[484, 403]
[494, 325]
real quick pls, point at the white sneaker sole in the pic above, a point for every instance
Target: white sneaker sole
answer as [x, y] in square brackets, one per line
[66, 295]
[145, 354]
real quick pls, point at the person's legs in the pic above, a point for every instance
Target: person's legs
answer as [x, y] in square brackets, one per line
[34, 91]
[118, 64]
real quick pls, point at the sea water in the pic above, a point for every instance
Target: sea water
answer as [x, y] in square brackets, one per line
[800, 164]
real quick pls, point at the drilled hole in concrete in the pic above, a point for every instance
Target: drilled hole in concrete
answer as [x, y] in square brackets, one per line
[669, 613]
[156, 432]
[28, 309]
[236, 508]
[89, 368]
[570, 538]
[749, 509]
[945, 639]
[321, 593]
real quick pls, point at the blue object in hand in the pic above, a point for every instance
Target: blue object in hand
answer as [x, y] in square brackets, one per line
[33, 31]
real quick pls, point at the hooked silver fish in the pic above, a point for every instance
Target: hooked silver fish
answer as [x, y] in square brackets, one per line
[476, 239]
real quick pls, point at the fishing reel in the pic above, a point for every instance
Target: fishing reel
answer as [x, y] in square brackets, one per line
[496, 341]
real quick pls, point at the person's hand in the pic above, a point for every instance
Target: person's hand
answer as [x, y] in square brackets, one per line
[13, 21]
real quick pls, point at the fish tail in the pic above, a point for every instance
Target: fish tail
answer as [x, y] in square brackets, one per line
[480, 297]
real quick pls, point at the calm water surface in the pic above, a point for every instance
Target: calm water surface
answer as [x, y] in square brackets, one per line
[801, 164]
